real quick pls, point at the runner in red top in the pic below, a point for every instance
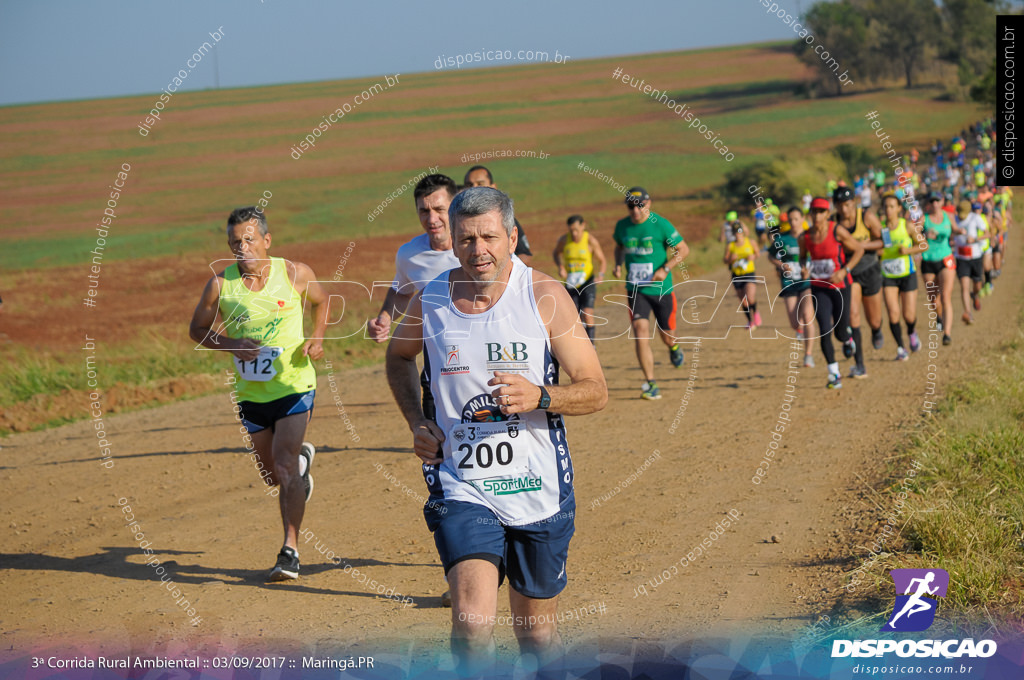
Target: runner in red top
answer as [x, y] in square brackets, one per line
[825, 264]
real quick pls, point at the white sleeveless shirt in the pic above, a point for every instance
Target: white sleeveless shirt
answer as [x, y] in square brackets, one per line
[518, 466]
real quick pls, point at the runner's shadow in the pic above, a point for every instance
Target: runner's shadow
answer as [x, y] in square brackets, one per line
[848, 561]
[378, 449]
[129, 456]
[113, 562]
[322, 567]
[228, 449]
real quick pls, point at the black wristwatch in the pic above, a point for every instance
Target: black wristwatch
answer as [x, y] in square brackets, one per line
[545, 398]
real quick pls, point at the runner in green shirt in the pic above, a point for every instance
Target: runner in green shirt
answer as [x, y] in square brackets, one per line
[938, 266]
[641, 242]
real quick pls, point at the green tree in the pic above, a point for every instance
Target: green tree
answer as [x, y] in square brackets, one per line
[839, 28]
[905, 34]
[968, 36]
[985, 89]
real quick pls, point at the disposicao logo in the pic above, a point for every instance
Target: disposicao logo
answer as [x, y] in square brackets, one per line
[914, 611]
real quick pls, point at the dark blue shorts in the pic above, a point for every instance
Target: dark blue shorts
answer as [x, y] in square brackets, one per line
[533, 556]
[257, 416]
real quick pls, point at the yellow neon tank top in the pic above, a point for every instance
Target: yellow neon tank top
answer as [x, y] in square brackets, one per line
[745, 253]
[272, 317]
[578, 259]
[895, 265]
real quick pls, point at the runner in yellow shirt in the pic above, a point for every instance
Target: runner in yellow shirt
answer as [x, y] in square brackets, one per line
[253, 309]
[739, 257]
[574, 255]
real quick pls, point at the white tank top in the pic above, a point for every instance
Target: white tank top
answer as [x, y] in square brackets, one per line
[519, 466]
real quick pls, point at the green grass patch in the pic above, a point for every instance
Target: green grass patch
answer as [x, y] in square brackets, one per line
[965, 510]
[144, 362]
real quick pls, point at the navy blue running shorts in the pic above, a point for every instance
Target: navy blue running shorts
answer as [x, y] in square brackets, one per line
[533, 556]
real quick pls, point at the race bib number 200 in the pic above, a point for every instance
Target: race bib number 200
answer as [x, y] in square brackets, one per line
[260, 369]
[487, 450]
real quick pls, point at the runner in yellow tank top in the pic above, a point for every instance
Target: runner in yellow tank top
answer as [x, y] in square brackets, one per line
[904, 240]
[574, 256]
[253, 309]
[271, 317]
[739, 257]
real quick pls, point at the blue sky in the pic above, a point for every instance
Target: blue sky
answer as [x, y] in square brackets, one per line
[60, 49]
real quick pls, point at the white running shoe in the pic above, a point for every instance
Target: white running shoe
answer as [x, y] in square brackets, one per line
[307, 452]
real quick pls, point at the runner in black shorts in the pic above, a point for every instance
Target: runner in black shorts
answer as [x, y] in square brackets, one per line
[641, 241]
[865, 292]
[903, 241]
[641, 305]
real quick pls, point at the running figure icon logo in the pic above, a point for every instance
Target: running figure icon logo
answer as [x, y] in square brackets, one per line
[914, 610]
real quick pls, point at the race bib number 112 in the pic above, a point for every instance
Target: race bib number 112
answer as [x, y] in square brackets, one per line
[260, 369]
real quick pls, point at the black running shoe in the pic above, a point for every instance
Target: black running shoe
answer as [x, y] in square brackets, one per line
[849, 347]
[876, 338]
[307, 451]
[287, 567]
[946, 340]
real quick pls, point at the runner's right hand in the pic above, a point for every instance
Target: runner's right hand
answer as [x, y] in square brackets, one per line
[379, 328]
[246, 349]
[426, 442]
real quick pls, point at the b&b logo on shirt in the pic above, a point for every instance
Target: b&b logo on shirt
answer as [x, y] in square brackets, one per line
[510, 358]
[514, 351]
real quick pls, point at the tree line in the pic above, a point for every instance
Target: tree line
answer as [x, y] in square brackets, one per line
[878, 40]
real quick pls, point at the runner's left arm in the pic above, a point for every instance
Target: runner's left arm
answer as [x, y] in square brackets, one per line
[805, 270]
[874, 225]
[854, 246]
[556, 255]
[674, 240]
[574, 352]
[916, 233]
[309, 288]
[602, 263]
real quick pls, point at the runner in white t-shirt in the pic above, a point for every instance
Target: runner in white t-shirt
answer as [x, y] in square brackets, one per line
[423, 258]
[968, 235]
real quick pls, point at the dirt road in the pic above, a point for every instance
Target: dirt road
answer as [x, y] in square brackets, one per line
[72, 573]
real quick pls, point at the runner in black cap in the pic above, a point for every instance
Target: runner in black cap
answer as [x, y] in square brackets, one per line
[866, 291]
[641, 241]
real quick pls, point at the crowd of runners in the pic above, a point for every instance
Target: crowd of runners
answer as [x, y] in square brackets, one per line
[843, 257]
[508, 350]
